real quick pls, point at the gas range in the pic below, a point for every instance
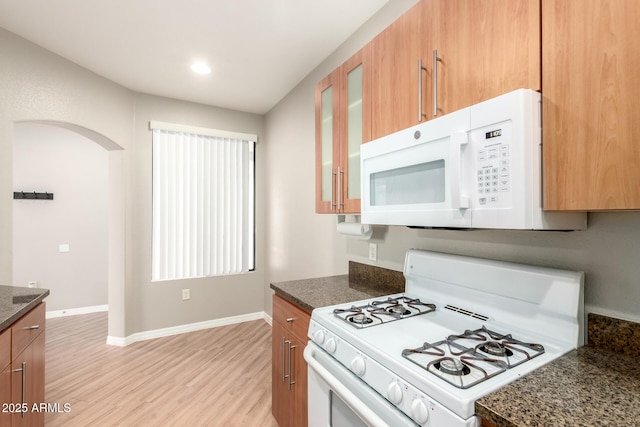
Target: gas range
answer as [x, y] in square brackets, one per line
[464, 328]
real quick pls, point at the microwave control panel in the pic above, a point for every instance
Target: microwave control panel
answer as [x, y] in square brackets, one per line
[493, 165]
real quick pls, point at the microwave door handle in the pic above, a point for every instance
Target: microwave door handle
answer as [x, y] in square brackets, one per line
[457, 141]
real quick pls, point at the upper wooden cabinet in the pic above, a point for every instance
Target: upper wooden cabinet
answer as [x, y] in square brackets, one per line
[343, 123]
[485, 48]
[444, 55]
[396, 77]
[591, 87]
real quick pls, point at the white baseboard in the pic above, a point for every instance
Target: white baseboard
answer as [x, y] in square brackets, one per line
[191, 327]
[75, 311]
[268, 319]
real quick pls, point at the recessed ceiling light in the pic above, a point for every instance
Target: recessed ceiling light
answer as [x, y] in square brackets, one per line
[200, 68]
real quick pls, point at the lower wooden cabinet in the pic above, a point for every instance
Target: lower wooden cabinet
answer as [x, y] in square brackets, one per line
[5, 376]
[288, 367]
[27, 384]
[22, 380]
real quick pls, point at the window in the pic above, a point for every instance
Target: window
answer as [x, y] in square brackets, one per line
[203, 202]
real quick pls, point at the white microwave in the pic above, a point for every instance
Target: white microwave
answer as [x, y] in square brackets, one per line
[479, 167]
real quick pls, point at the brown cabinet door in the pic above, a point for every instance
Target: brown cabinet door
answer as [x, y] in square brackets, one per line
[327, 98]
[395, 75]
[485, 48]
[591, 87]
[280, 396]
[355, 112]
[343, 123]
[27, 384]
[288, 367]
[5, 396]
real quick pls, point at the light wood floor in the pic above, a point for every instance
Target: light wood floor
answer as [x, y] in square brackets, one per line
[216, 377]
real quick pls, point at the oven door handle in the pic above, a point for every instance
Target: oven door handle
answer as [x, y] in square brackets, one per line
[370, 417]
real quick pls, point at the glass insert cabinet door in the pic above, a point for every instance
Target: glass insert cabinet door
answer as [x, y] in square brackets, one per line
[327, 143]
[342, 125]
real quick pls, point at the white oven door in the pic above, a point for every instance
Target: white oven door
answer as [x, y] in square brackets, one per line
[337, 398]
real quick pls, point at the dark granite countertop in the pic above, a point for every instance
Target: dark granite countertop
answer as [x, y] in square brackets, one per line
[16, 301]
[362, 282]
[596, 385]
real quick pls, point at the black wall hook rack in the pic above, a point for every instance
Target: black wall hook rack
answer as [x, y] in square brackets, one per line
[32, 195]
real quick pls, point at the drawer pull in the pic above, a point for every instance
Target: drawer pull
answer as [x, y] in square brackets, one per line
[23, 370]
[290, 319]
[33, 327]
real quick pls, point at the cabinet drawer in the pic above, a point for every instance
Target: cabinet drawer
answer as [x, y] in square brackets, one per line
[5, 348]
[27, 328]
[291, 317]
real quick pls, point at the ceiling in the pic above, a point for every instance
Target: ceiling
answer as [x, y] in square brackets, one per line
[258, 50]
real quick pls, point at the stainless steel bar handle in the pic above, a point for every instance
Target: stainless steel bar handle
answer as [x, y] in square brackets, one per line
[340, 202]
[291, 347]
[31, 328]
[24, 386]
[421, 115]
[435, 82]
[333, 180]
[284, 377]
[290, 319]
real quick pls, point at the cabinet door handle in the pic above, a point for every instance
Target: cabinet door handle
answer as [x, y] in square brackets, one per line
[290, 319]
[291, 347]
[435, 81]
[33, 327]
[284, 343]
[340, 202]
[24, 385]
[421, 68]
[333, 193]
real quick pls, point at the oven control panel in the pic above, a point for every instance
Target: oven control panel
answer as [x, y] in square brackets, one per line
[404, 396]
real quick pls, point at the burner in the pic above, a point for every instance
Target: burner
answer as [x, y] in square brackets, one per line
[495, 348]
[359, 319]
[452, 367]
[398, 310]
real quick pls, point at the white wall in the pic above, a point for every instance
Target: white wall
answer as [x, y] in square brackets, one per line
[159, 304]
[37, 85]
[304, 244]
[74, 168]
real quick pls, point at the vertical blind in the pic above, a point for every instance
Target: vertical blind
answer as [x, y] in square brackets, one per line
[203, 203]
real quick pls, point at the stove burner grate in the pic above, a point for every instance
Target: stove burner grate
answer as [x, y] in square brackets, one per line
[383, 311]
[458, 365]
[514, 352]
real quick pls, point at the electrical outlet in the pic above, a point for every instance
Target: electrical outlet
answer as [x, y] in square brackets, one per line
[373, 251]
[32, 284]
[186, 294]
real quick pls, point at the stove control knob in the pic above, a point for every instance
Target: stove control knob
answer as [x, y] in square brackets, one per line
[330, 345]
[394, 393]
[357, 366]
[419, 411]
[318, 336]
